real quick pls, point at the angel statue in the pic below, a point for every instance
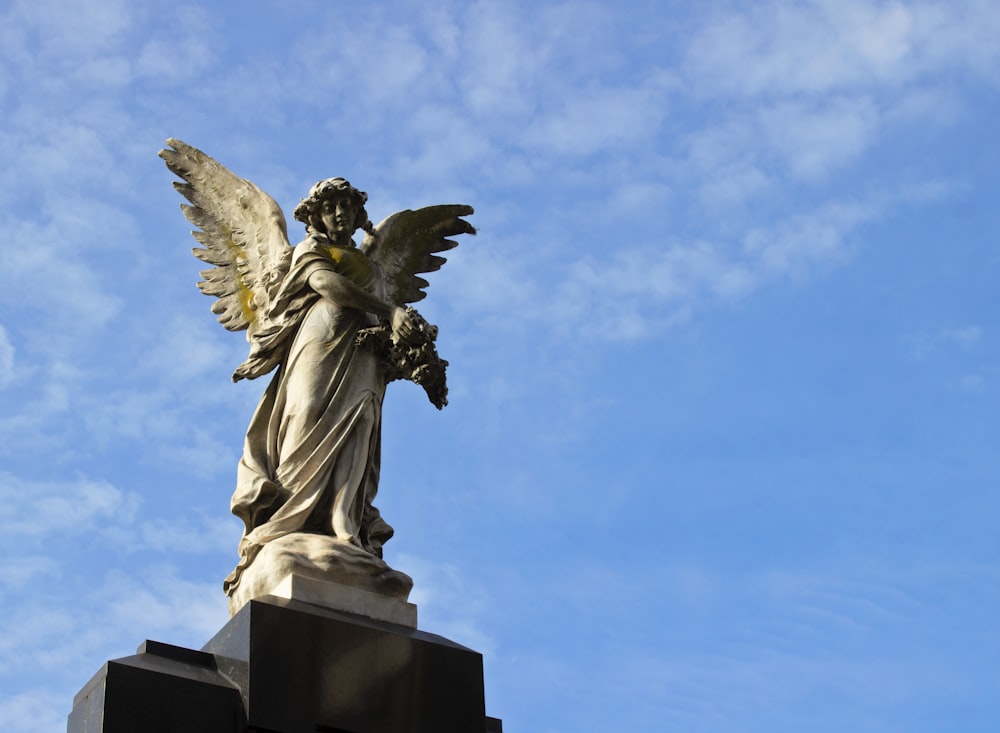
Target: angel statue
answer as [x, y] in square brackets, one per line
[333, 320]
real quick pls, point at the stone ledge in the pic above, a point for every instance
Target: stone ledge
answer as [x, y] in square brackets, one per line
[340, 597]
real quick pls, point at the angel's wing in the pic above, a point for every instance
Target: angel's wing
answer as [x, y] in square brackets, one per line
[406, 243]
[243, 231]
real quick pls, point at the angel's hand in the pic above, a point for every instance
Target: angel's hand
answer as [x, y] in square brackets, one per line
[405, 325]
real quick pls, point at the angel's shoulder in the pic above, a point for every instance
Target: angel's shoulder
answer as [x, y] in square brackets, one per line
[347, 261]
[313, 245]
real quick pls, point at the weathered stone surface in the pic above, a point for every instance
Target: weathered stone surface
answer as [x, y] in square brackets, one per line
[326, 571]
[333, 318]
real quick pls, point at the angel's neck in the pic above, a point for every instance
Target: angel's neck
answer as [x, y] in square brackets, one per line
[342, 241]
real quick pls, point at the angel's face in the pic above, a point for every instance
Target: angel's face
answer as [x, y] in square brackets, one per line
[338, 217]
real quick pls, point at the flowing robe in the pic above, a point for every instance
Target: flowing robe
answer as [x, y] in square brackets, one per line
[311, 457]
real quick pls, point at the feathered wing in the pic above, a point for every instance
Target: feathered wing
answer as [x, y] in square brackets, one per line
[244, 235]
[403, 245]
[408, 242]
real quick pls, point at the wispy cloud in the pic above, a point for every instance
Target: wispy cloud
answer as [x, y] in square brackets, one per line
[32, 710]
[164, 604]
[816, 47]
[448, 602]
[34, 509]
[7, 353]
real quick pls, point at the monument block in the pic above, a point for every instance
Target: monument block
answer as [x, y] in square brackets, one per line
[284, 666]
[161, 689]
[300, 666]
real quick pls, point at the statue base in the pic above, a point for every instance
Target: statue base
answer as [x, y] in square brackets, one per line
[320, 559]
[351, 599]
[284, 666]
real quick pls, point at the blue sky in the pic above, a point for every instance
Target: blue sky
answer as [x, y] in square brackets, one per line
[725, 356]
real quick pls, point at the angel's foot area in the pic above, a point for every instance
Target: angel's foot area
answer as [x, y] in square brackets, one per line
[313, 560]
[350, 539]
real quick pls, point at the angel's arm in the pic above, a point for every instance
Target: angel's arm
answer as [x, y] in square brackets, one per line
[344, 292]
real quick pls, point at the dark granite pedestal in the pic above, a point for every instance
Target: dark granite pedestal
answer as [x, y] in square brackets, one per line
[283, 666]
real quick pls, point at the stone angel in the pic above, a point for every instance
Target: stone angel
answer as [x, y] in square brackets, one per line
[334, 320]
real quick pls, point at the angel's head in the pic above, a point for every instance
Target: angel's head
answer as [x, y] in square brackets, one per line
[334, 207]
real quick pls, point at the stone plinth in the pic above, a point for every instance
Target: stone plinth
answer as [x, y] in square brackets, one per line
[285, 666]
[302, 667]
[162, 689]
[339, 597]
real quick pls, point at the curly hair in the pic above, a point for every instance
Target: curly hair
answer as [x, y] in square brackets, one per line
[309, 209]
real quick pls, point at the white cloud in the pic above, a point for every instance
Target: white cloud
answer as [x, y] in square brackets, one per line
[77, 298]
[26, 570]
[822, 46]
[503, 59]
[157, 602]
[38, 418]
[671, 273]
[33, 625]
[185, 536]
[956, 351]
[448, 603]
[600, 120]
[33, 712]
[7, 353]
[803, 90]
[854, 632]
[37, 509]
[792, 245]
[184, 349]
[966, 337]
[489, 279]
[634, 200]
[449, 145]
[80, 30]
[722, 164]
[182, 434]
[181, 50]
[638, 288]
[816, 139]
[733, 185]
[972, 382]
[929, 104]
